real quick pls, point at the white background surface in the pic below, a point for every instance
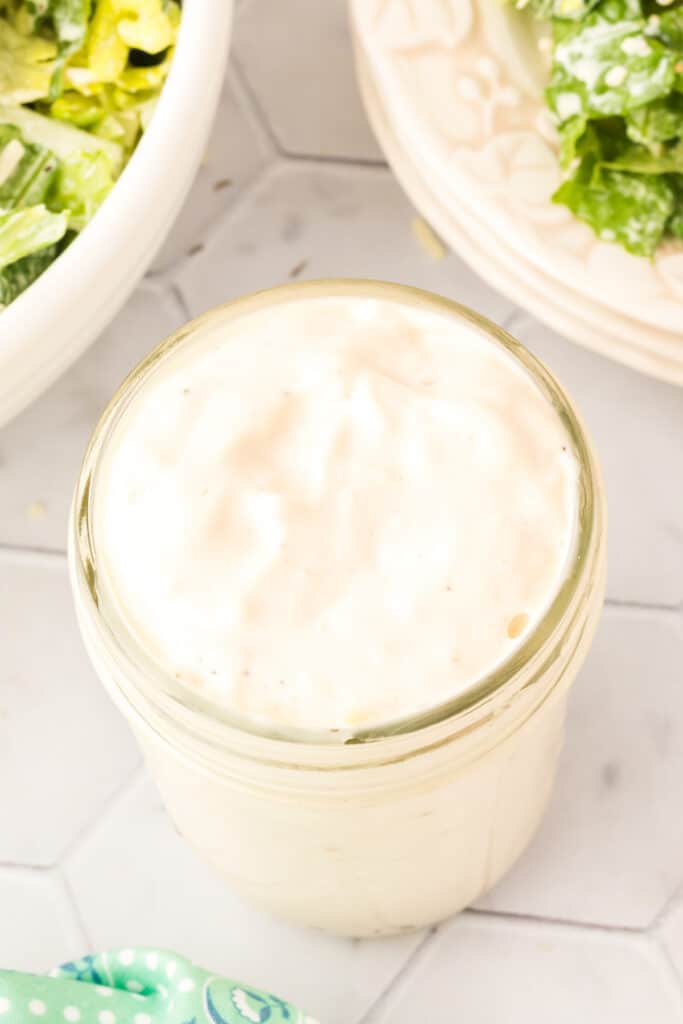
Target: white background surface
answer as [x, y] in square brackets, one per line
[589, 926]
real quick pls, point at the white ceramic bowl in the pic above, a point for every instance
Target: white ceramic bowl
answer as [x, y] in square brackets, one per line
[47, 327]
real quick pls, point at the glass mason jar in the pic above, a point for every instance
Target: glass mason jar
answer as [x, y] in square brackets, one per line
[374, 832]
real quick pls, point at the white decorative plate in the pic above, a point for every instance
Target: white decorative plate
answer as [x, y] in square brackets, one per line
[654, 352]
[460, 85]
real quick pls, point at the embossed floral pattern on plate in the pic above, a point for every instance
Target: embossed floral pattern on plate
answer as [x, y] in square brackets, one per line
[462, 82]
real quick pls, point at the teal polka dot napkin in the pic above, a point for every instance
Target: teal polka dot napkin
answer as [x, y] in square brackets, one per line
[136, 986]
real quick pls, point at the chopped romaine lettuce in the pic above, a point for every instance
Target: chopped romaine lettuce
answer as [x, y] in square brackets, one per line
[19, 275]
[83, 182]
[83, 111]
[569, 9]
[616, 91]
[106, 54]
[64, 22]
[26, 231]
[148, 25]
[632, 209]
[27, 64]
[604, 67]
[658, 122]
[63, 139]
[29, 174]
[667, 24]
[675, 226]
[79, 81]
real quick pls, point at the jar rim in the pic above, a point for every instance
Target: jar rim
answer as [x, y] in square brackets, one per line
[160, 686]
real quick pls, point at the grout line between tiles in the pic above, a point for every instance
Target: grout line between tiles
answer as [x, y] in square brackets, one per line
[672, 611]
[672, 904]
[671, 968]
[269, 154]
[332, 159]
[406, 970]
[100, 815]
[53, 877]
[237, 81]
[33, 554]
[16, 869]
[84, 939]
[557, 922]
[257, 109]
[176, 295]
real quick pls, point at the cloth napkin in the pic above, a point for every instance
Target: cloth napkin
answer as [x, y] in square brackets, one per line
[136, 986]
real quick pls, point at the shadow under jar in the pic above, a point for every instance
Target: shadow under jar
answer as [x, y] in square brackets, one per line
[365, 829]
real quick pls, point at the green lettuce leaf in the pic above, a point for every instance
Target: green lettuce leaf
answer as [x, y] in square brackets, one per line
[631, 209]
[573, 136]
[147, 25]
[112, 82]
[605, 65]
[83, 182]
[616, 90]
[27, 64]
[106, 53]
[81, 111]
[27, 170]
[79, 81]
[77, 183]
[572, 10]
[60, 137]
[659, 122]
[667, 25]
[637, 160]
[64, 21]
[119, 26]
[15, 278]
[26, 231]
[675, 225]
[69, 19]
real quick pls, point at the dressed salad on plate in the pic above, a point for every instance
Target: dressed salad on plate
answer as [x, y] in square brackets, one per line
[616, 93]
[78, 83]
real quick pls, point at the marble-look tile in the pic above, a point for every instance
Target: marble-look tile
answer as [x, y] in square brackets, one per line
[610, 850]
[486, 970]
[305, 221]
[64, 750]
[41, 450]
[158, 892]
[669, 932]
[39, 930]
[298, 61]
[238, 149]
[637, 425]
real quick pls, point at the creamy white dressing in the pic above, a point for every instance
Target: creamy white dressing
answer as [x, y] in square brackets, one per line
[335, 512]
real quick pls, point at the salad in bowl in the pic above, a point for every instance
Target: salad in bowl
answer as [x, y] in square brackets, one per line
[79, 80]
[615, 90]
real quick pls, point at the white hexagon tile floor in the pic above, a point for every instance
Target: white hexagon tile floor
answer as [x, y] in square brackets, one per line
[589, 925]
